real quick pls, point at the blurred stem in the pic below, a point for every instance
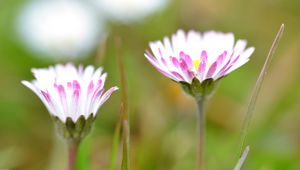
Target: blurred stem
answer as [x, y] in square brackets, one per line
[124, 107]
[126, 145]
[73, 149]
[115, 145]
[101, 51]
[200, 133]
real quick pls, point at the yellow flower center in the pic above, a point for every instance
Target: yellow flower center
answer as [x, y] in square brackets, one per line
[196, 63]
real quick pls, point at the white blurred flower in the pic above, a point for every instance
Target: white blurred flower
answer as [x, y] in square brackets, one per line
[129, 10]
[59, 28]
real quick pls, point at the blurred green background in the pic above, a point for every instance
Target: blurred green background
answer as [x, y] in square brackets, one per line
[162, 117]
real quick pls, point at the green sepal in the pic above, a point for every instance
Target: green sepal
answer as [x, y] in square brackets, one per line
[74, 131]
[199, 89]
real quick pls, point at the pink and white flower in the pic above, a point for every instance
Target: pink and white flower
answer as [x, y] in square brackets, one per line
[208, 55]
[70, 92]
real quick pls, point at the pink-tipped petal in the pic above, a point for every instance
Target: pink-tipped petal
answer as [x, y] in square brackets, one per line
[103, 99]
[211, 70]
[202, 65]
[186, 58]
[177, 75]
[185, 70]
[175, 61]
[63, 97]
[221, 58]
[90, 87]
[46, 96]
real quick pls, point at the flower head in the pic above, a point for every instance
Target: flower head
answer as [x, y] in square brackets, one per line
[71, 95]
[198, 59]
[210, 55]
[71, 92]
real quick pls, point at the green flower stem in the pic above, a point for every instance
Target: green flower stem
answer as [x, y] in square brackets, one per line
[200, 133]
[73, 149]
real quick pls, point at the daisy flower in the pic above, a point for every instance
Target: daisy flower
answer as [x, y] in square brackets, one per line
[198, 59]
[71, 95]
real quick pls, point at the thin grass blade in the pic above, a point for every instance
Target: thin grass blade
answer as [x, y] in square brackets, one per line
[115, 144]
[242, 159]
[257, 88]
